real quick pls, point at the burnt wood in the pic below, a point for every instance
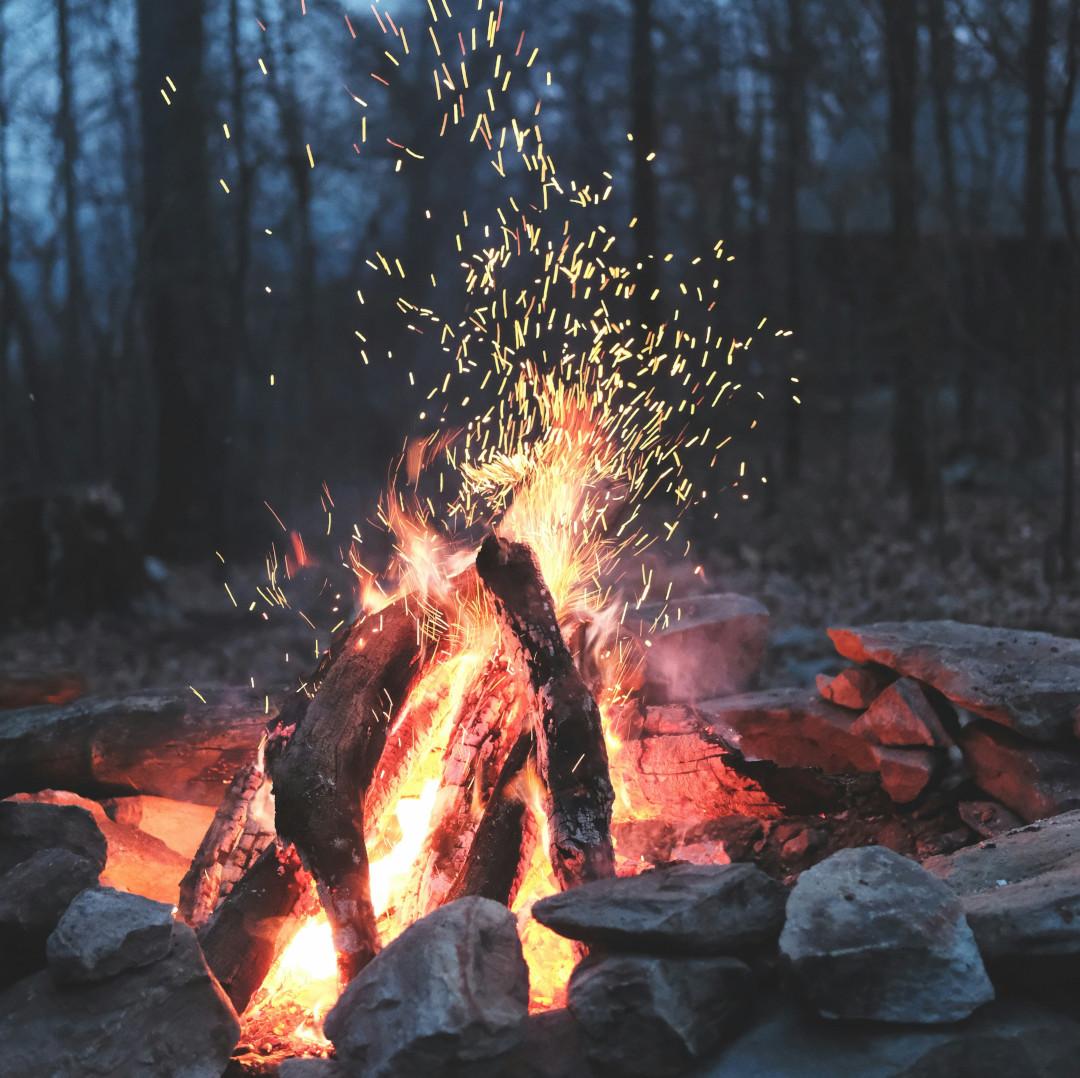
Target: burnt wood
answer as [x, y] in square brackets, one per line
[255, 923]
[571, 753]
[322, 755]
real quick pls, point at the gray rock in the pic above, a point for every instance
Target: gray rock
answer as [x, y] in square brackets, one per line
[448, 997]
[33, 897]
[712, 645]
[553, 1047]
[790, 728]
[1014, 1037]
[871, 935]
[676, 909]
[1021, 894]
[903, 716]
[169, 1020]
[1035, 781]
[27, 828]
[104, 932]
[653, 1017]
[856, 688]
[1027, 681]
[311, 1067]
[905, 773]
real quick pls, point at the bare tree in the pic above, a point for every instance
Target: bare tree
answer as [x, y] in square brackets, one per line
[643, 112]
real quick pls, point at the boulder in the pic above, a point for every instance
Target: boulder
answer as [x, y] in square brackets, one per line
[1027, 681]
[169, 1019]
[905, 773]
[1021, 894]
[448, 997]
[33, 897]
[790, 728]
[871, 935]
[696, 648]
[553, 1047]
[903, 716]
[25, 829]
[311, 1067]
[677, 909]
[649, 1017]
[104, 932]
[1035, 781]
[1007, 1037]
[855, 688]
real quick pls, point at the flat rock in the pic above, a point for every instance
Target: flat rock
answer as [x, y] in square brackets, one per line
[170, 1020]
[27, 828]
[449, 997]
[903, 716]
[104, 932]
[649, 1017]
[987, 818]
[677, 909]
[1021, 894]
[905, 773]
[1027, 681]
[855, 688]
[1034, 781]
[1007, 1037]
[33, 897]
[712, 645]
[871, 935]
[790, 728]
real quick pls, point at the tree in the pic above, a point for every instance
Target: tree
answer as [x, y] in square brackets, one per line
[643, 114]
[179, 312]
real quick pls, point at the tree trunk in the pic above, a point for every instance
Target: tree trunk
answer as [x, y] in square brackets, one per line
[910, 432]
[179, 313]
[643, 117]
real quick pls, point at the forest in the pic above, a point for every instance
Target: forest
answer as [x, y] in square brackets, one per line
[198, 200]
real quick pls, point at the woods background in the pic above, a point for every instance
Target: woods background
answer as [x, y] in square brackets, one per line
[896, 179]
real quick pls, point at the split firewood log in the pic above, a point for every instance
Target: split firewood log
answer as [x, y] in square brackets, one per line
[571, 753]
[322, 756]
[256, 922]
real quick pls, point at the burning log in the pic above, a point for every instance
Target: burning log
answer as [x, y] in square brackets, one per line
[495, 861]
[569, 735]
[322, 756]
[482, 736]
[254, 924]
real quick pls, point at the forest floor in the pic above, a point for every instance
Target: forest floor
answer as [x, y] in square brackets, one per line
[813, 559]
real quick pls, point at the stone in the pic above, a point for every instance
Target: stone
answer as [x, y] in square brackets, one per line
[169, 1019]
[1027, 681]
[1007, 1037]
[135, 861]
[1034, 781]
[1021, 894]
[676, 909]
[855, 688]
[903, 716]
[788, 727]
[553, 1047]
[987, 818]
[27, 828]
[311, 1067]
[646, 1016]
[33, 897]
[871, 935]
[905, 773]
[448, 997]
[695, 648]
[104, 932]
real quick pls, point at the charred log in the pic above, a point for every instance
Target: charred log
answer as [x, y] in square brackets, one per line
[255, 923]
[494, 863]
[571, 753]
[169, 744]
[322, 756]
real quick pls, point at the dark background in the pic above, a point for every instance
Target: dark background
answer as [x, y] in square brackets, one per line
[896, 180]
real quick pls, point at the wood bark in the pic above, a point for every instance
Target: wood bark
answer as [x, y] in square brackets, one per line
[255, 923]
[571, 752]
[165, 743]
[322, 757]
